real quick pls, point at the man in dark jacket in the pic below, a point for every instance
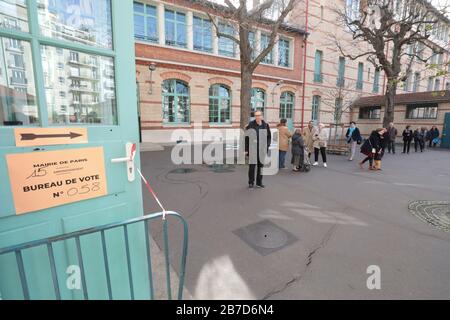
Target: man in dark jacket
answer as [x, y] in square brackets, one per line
[407, 138]
[256, 130]
[433, 134]
[392, 135]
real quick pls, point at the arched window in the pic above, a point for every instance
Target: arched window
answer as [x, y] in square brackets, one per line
[219, 104]
[287, 100]
[176, 105]
[258, 100]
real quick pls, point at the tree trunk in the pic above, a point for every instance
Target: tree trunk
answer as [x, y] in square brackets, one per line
[391, 91]
[246, 95]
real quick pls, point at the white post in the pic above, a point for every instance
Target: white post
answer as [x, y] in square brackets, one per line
[161, 30]
[215, 39]
[190, 30]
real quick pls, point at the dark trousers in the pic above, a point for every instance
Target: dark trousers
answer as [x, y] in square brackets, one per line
[323, 151]
[417, 144]
[251, 173]
[406, 146]
[391, 146]
[370, 159]
[281, 159]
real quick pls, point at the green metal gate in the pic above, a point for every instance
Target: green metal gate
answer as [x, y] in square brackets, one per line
[136, 229]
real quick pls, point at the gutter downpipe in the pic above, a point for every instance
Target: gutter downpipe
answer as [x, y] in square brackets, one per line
[304, 64]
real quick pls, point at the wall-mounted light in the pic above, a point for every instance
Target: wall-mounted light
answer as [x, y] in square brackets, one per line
[151, 67]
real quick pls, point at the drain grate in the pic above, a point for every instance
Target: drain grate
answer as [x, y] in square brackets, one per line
[265, 237]
[183, 171]
[435, 213]
[221, 168]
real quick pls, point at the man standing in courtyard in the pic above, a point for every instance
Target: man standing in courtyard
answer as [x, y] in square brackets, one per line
[308, 134]
[257, 140]
[392, 135]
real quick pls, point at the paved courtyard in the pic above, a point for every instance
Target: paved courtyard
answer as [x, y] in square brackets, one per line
[330, 224]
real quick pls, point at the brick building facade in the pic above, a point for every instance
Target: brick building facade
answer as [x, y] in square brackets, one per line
[207, 76]
[175, 38]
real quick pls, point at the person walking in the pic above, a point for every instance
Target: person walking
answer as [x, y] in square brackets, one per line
[320, 139]
[384, 139]
[354, 138]
[434, 134]
[259, 130]
[392, 133]
[308, 134]
[371, 147]
[407, 138]
[419, 140]
[298, 147]
[283, 142]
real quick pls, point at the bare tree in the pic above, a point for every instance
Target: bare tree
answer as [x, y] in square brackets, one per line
[246, 20]
[389, 28]
[340, 99]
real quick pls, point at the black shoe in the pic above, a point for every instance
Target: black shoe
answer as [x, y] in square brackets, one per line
[251, 185]
[260, 186]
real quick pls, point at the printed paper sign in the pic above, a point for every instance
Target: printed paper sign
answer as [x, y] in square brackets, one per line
[41, 180]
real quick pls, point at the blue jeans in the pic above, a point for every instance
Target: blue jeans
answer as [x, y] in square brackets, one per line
[281, 159]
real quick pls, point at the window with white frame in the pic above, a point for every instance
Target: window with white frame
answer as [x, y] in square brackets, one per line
[284, 52]
[175, 28]
[202, 34]
[145, 22]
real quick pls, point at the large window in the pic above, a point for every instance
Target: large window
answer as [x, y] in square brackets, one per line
[360, 81]
[176, 105]
[202, 34]
[13, 15]
[287, 101]
[91, 94]
[265, 40]
[175, 26]
[284, 53]
[341, 72]
[145, 22]
[86, 21]
[18, 105]
[258, 100]
[227, 47]
[376, 81]
[352, 9]
[370, 112]
[427, 111]
[318, 66]
[416, 84]
[78, 86]
[219, 104]
[315, 108]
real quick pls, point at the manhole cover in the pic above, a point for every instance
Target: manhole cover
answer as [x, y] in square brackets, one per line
[221, 168]
[265, 237]
[436, 213]
[183, 171]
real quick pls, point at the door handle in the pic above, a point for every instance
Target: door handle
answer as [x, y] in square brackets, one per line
[130, 151]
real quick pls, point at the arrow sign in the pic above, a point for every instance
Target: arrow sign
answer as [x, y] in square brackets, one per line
[32, 136]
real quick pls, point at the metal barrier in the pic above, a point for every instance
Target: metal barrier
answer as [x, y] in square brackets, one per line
[49, 244]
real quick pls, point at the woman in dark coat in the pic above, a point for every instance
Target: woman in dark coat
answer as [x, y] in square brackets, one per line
[371, 147]
[407, 138]
[298, 147]
[419, 140]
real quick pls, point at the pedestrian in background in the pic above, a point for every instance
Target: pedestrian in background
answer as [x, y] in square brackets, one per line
[298, 147]
[308, 134]
[407, 138]
[419, 140]
[354, 138]
[384, 140]
[283, 142]
[320, 139]
[392, 133]
[434, 135]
